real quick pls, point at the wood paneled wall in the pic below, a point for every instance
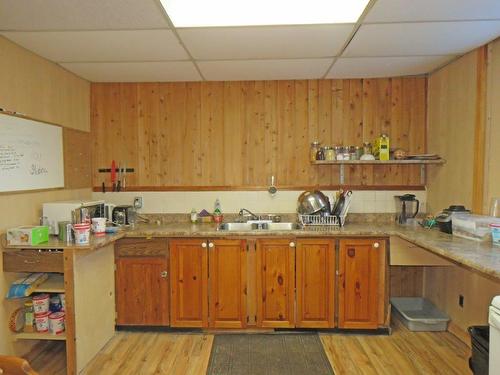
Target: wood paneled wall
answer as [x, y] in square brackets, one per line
[236, 135]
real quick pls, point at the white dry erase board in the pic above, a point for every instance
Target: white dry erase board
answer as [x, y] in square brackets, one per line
[31, 154]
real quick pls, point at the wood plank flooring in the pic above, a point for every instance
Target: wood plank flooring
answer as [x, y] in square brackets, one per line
[140, 353]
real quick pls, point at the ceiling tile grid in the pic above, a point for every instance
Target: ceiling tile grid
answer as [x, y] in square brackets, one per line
[134, 40]
[221, 43]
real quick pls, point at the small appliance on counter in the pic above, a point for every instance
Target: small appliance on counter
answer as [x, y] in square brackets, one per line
[73, 211]
[407, 207]
[124, 215]
[444, 219]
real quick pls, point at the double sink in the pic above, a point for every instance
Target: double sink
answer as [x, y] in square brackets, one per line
[252, 226]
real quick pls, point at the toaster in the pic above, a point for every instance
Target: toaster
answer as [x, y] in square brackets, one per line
[124, 215]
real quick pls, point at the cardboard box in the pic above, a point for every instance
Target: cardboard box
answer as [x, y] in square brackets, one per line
[28, 235]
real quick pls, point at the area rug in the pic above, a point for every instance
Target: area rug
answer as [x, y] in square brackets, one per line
[268, 354]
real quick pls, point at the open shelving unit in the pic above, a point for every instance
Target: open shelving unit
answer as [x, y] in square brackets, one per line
[422, 162]
[54, 284]
[39, 336]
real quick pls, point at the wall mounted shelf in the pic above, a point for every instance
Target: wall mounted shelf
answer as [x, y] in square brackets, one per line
[342, 163]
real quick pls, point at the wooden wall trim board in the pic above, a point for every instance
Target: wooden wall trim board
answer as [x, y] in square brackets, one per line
[480, 131]
[259, 188]
[234, 134]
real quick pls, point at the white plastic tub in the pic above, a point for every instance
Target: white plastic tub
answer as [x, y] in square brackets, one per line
[419, 314]
[473, 227]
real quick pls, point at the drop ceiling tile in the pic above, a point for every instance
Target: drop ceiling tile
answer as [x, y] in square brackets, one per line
[92, 46]
[432, 10]
[265, 41]
[168, 71]
[373, 67]
[421, 38]
[80, 14]
[234, 70]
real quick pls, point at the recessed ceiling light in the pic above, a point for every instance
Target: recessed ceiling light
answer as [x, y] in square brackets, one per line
[205, 13]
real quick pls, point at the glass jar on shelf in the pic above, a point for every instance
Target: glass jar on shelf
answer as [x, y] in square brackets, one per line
[320, 155]
[329, 153]
[314, 151]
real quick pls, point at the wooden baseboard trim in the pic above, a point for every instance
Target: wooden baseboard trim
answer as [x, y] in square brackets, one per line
[459, 333]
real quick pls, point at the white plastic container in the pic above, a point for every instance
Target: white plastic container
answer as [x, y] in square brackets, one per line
[56, 323]
[41, 304]
[82, 233]
[473, 227]
[42, 322]
[419, 314]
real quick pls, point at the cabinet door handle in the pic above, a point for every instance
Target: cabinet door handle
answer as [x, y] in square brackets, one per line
[211, 245]
[27, 261]
[292, 244]
[376, 245]
[351, 252]
[204, 244]
[164, 274]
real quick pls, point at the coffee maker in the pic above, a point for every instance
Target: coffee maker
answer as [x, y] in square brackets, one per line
[407, 206]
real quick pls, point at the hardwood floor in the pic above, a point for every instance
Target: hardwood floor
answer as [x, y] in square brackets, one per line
[404, 352]
[139, 353]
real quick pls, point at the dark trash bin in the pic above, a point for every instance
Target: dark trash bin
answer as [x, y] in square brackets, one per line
[480, 339]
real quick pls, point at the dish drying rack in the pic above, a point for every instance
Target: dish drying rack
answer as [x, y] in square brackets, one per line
[328, 221]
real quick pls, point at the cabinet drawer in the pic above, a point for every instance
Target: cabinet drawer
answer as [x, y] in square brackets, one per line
[33, 261]
[141, 247]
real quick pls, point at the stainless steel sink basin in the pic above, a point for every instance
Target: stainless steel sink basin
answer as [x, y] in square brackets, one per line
[238, 226]
[241, 227]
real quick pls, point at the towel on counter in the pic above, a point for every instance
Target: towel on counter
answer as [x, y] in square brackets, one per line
[25, 286]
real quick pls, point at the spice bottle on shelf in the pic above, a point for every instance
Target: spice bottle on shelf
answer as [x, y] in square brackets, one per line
[314, 151]
[320, 155]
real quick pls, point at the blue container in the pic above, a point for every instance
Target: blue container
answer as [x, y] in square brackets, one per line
[495, 233]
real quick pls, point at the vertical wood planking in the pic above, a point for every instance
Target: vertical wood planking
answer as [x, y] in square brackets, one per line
[233, 134]
[241, 133]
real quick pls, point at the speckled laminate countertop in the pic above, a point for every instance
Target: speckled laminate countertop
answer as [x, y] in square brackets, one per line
[483, 257]
[480, 256]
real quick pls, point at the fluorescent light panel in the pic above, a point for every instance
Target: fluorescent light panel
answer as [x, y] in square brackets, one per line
[204, 13]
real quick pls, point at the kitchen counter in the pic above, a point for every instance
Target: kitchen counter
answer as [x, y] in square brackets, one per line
[482, 257]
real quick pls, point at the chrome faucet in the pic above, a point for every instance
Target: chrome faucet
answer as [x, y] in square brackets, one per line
[252, 215]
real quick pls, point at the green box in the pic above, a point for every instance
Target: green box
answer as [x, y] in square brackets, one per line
[28, 235]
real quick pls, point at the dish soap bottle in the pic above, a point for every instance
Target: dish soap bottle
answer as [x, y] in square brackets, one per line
[217, 212]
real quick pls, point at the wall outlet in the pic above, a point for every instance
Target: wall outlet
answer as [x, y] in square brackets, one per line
[137, 202]
[461, 300]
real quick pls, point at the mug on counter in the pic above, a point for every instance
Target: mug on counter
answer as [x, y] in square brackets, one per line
[99, 225]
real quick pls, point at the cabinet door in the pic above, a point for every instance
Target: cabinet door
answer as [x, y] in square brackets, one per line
[228, 277]
[142, 294]
[189, 279]
[315, 283]
[359, 278]
[275, 283]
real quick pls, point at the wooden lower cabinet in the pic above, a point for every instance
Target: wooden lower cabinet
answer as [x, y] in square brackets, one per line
[315, 283]
[275, 283]
[228, 283]
[189, 283]
[141, 282]
[359, 268]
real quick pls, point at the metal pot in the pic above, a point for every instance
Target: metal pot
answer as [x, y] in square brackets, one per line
[311, 202]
